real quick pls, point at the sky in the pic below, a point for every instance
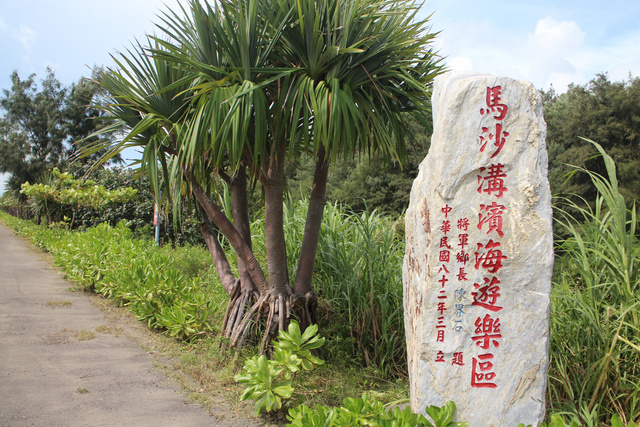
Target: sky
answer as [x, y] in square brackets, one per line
[547, 42]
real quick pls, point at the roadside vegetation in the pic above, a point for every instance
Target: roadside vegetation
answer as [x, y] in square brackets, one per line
[176, 291]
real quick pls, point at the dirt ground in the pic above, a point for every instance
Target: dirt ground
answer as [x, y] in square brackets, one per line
[65, 362]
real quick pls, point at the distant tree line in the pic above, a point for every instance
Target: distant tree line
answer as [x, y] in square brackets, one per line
[603, 111]
[43, 126]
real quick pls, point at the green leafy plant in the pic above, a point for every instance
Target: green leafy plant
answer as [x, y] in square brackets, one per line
[443, 416]
[270, 381]
[617, 422]
[303, 416]
[556, 420]
[261, 377]
[300, 345]
[365, 411]
[69, 194]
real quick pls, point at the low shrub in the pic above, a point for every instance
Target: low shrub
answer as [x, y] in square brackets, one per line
[370, 412]
[269, 382]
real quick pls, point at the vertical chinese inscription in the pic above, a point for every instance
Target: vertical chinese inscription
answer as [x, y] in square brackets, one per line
[444, 258]
[489, 256]
[453, 256]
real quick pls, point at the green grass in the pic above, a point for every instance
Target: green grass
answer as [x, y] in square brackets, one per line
[595, 318]
[65, 303]
[83, 335]
[359, 277]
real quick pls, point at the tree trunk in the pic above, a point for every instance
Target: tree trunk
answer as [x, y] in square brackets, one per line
[279, 294]
[273, 183]
[240, 208]
[312, 226]
[245, 294]
[306, 299]
[226, 227]
[220, 261]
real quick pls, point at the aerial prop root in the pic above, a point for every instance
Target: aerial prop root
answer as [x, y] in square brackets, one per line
[239, 301]
[276, 309]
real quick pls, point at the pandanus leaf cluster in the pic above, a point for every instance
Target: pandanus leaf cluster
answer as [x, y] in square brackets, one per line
[228, 92]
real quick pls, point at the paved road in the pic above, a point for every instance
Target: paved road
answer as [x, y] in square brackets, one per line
[60, 366]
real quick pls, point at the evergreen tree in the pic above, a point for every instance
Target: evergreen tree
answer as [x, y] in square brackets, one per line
[43, 127]
[32, 128]
[240, 88]
[603, 111]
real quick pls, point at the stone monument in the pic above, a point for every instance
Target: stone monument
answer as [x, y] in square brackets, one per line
[479, 256]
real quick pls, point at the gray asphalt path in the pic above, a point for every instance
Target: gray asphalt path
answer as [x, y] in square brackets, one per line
[59, 365]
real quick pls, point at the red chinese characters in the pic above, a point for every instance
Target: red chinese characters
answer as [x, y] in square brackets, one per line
[482, 372]
[493, 102]
[495, 135]
[458, 359]
[463, 240]
[498, 139]
[471, 257]
[488, 332]
[452, 258]
[444, 258]
[492, 180]
[462, 257]
[486, 295]
[489, 256]
[491, 217]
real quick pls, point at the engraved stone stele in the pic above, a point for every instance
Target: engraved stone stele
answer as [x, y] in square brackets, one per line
[479, 255]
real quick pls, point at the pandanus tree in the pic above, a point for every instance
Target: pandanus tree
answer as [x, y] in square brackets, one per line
[229, 92]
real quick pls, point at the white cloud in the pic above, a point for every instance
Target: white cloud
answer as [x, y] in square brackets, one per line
[25, 35]
[553, 48]
[546, 54]
[548, 43]
[561, 81]
[557, 38]
[3, 25]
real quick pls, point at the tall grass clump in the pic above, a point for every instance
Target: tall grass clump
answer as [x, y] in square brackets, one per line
[595, 322]
[359, 277]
